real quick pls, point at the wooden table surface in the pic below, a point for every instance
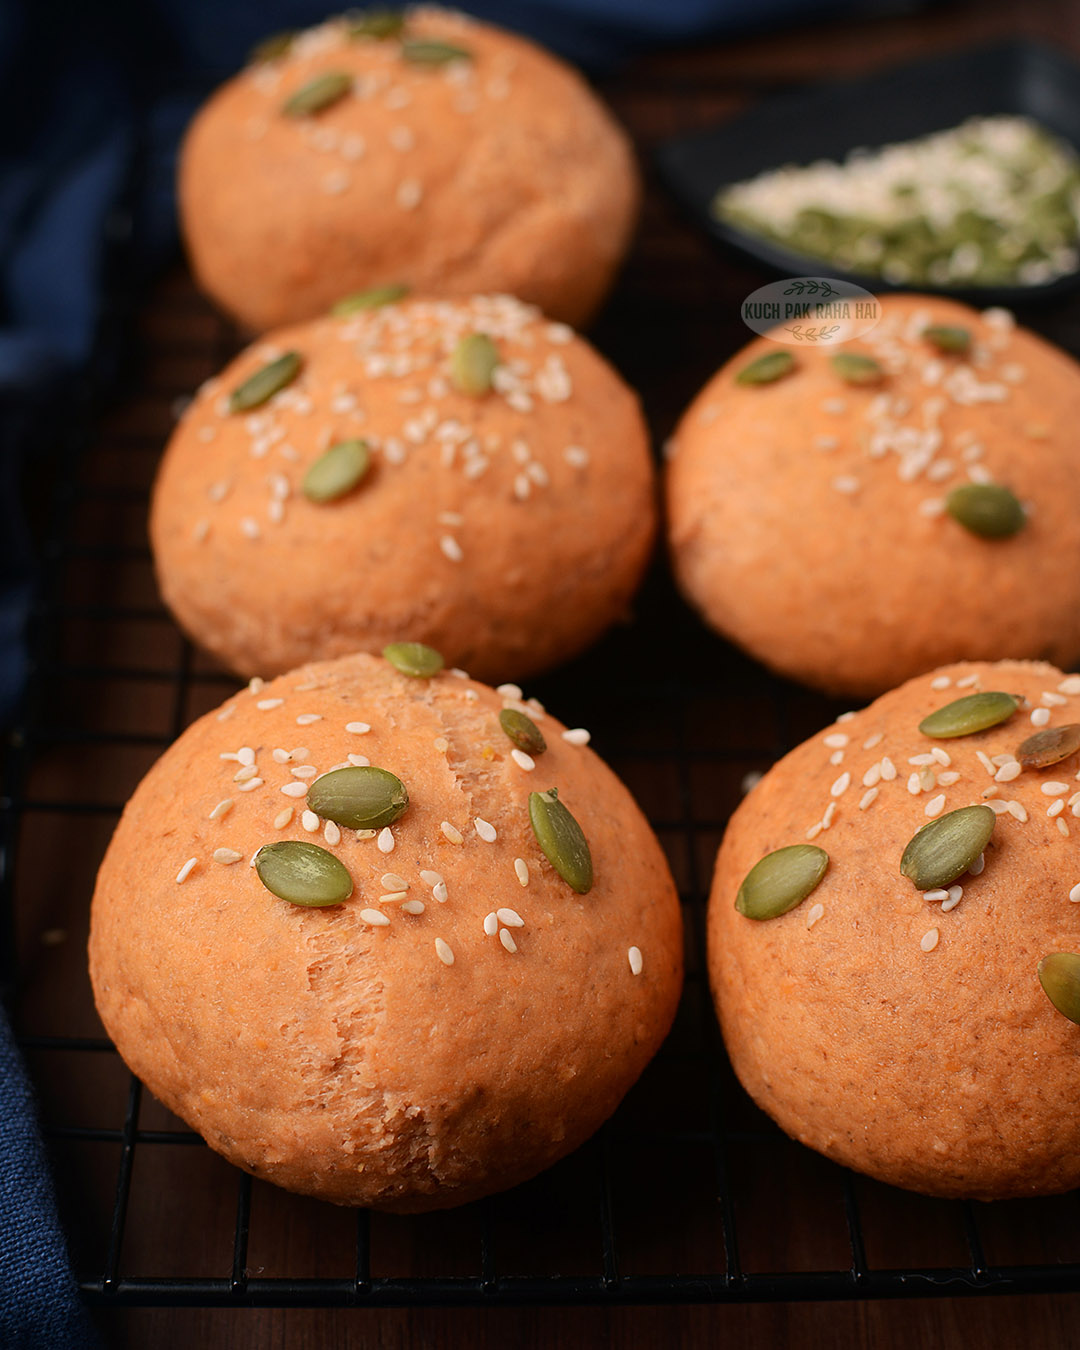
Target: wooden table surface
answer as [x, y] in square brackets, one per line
[673, 319]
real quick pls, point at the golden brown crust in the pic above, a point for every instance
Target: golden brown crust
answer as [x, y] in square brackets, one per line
[347, 1060]
[507, 531]
[501, 173]
[796, 510]
[945, 1070]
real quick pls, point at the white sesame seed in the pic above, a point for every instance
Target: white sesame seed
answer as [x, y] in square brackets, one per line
[390, 881]
[948, 905]
[226, 713]
[836, 758]
[409, 194]
[491, 924]
[374, 917]
[439, 892]
[485, 830]
[266, 704]
[986, 762]
[331, 833]
[283, 818]
[522, 760]
[1063, 827]
[872, 742]
[246, 756]
[1053, 700]
[921, 760]
[814, 830]
[359, 761]
[968, 681]
[441, 744]
[1070, 685]
[948, 779]
[827, 818]
[888, 769]
[576, 457]
[936, 895]
[845, 483]
[868, 798]
[999, 808]
[1055, 808]
[1054, 789]
[941, 682]
[635, 959]
[242, 775]
[303, 771]
[294, 789]
[977, 866]
[511, 918]
[872, 776]
[310, 821]
[1074, 894]
[1008, 772]
[452, 832]
[841, 785]
[192, 863]
[816, 912]
[914, 785]
[393, 897]
[281, 756]
[226, 855]
[836, 740]
[443, 952]
[509, 691]
[577, 736]
[251, 785]
[221, 809]
[507, 941]
[1040, 717]
[521, 868]
[306, 719]
[385, 840]
[364, 835]
[431, 878]
[956, 894]
[929, 940]
[413, 907]
[357, 728]
[1015, 809]
[451, 548]
[941, 756]
[250, 527]
[935, 805]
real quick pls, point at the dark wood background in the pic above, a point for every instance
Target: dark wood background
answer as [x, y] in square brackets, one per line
[119, 683]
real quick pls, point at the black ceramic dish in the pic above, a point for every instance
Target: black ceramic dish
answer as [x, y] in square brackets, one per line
[826, 121]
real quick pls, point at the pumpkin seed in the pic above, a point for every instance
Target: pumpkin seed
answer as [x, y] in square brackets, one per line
[413, 658]
[265, 383]
[781, 880]
[947, 338]
[772, 366]
[365, 798]
[375, 23]
[270, 48]
[523, 731]
[318, 93]
[473, 364]
[974, 712]
[562, 840]
[854, 368]
[303, 874]
[986, 509]
[1049, 746]
[945, 848]
[373, 298]
[1059, 975]
[337, 471]
[431, 52]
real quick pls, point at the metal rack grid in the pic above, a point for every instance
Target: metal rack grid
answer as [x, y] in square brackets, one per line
[675, 1201]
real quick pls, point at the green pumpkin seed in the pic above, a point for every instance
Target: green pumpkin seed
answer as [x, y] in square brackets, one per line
[781, 880]
[431, 52]
[336, 472]
[1059, 975]
[945, 849]
[366, 798]
[373, 298]
[1049, 746]
[265, 383]
[270, 48]
[772, 366]
[854, 368]
[303, 874]
[986, 509]
[318, 93]
[974, 712]
[947, 338]
[523, 731]
[413, 658]
[473, 364]
[562, 840]
[375, 23]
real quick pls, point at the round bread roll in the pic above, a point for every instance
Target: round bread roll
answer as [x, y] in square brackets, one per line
[507, 527]
[449, 155]
[463, 1019]
[905, 1032]
[808, 519]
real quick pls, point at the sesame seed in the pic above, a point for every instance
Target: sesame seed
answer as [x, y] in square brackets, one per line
[439, 892]
[331, 833]
[921, 760]
[827, 818]
[409, 194]
[451, 548]
[374, 917]
[955, 894]
[363, 835]
[872, 776]
[814, 831]
[941, 682]
[986, 762]
[452, 832]
[1053, 700]
[443, 952]
[251, 785]
[522, 760]
[950, 904]
[393, 897]
[226, 712]
[929, 940]
[250, 527]
[390, 881]
[283, 818]
[1074, 894]
[1040, 717]
[221, 809]
[936, 895]
[246, 756]
[266, 704]
[1063, 827]
[948, 779]
[303, 771]
[576, 457]
[977, 866]
[491, 924]
[511, 918]
[841, 785]
[431, 878]
[872, 742]
[967, 681]
[935, 805]
[521, 867]
[441, 744]
[294, 789]
[306, 719]
[816, 912]
[1008, 772]
[914, 785]
[577, 736]
[846, 483]
[868, 798]
[357, 728]
[192, 863]
[242, 775]
[413, 907]
[836, 740]
[509, 691]
[281, 756]
[999, 808]
[226, 855]
[1054, 789]
[385, 840]
[1015, 809]
[359, 761]
[506, 940]
[485, 830]
[310, 821]
[888, 769]
[1055, 808]
[941, 756]
[1070, 685]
